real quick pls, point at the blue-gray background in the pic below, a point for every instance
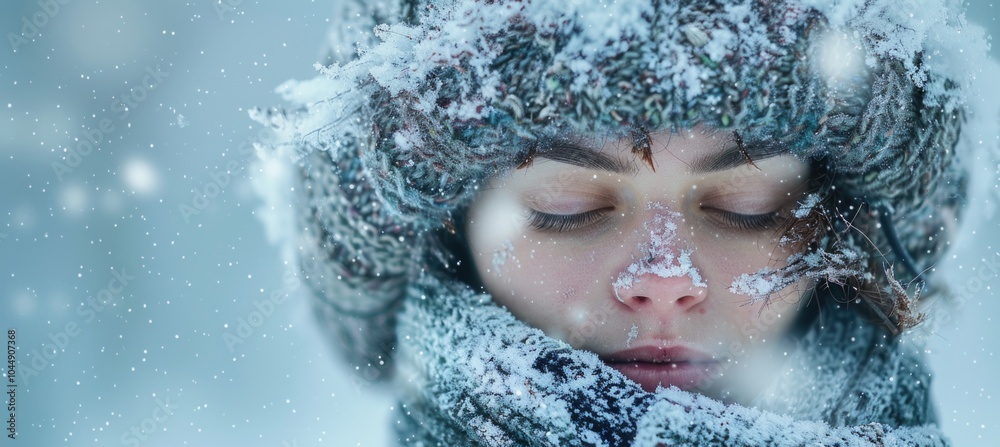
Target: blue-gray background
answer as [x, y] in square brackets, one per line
[162, 340]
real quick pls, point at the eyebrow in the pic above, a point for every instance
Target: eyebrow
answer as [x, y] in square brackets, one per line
[585, 157]
[736, 153]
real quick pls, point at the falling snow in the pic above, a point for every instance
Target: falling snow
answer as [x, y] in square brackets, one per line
[151, 356]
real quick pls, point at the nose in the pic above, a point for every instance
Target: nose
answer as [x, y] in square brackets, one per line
[664, 277]
[660, 293]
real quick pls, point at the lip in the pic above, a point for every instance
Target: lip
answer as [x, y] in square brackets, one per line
[652, 366]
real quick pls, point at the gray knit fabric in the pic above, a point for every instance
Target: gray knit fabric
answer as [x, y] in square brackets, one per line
[472, 374]
[392, 144]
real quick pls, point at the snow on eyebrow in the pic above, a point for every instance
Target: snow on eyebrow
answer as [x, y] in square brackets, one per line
[658, 255]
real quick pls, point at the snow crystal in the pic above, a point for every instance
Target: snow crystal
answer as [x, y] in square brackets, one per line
[659, 257]
[759, 285]
[607, 23]
[400, 41]
[815, 265]
[806, 206]
[581, 68]
[406, 140]
[720, 45]
[632, 335]
[501, 255]
[837, 13]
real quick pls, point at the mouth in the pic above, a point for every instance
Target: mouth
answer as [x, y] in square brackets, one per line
[653, 367]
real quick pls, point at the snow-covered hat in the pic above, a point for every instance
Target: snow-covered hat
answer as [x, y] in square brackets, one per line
[396, 139]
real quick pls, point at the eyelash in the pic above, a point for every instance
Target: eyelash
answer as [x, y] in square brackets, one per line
[747, 222]
[565, 222]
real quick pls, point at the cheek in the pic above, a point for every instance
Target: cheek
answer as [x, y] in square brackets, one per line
[760, 324]
[551, 285]
[723, 258]
[555, 273]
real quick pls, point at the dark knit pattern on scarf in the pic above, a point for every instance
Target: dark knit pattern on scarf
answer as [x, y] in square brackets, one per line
[475, 375]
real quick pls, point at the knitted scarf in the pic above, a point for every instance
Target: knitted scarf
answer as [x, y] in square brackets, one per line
[473, 374]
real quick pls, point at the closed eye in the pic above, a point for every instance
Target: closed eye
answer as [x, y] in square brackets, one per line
[547, 222]
[746, 222]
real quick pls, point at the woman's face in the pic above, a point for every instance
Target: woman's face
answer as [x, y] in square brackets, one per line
[595, 248]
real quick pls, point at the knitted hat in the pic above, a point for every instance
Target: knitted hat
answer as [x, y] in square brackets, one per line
[394, 143]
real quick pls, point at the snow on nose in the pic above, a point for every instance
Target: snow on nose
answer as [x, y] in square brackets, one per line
[659, 255]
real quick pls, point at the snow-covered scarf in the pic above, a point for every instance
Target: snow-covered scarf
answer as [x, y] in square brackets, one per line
[474, 375]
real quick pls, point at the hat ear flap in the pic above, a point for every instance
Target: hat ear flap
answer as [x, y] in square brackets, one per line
[898, 186]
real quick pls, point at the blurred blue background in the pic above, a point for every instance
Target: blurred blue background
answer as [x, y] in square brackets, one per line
[165, 88]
